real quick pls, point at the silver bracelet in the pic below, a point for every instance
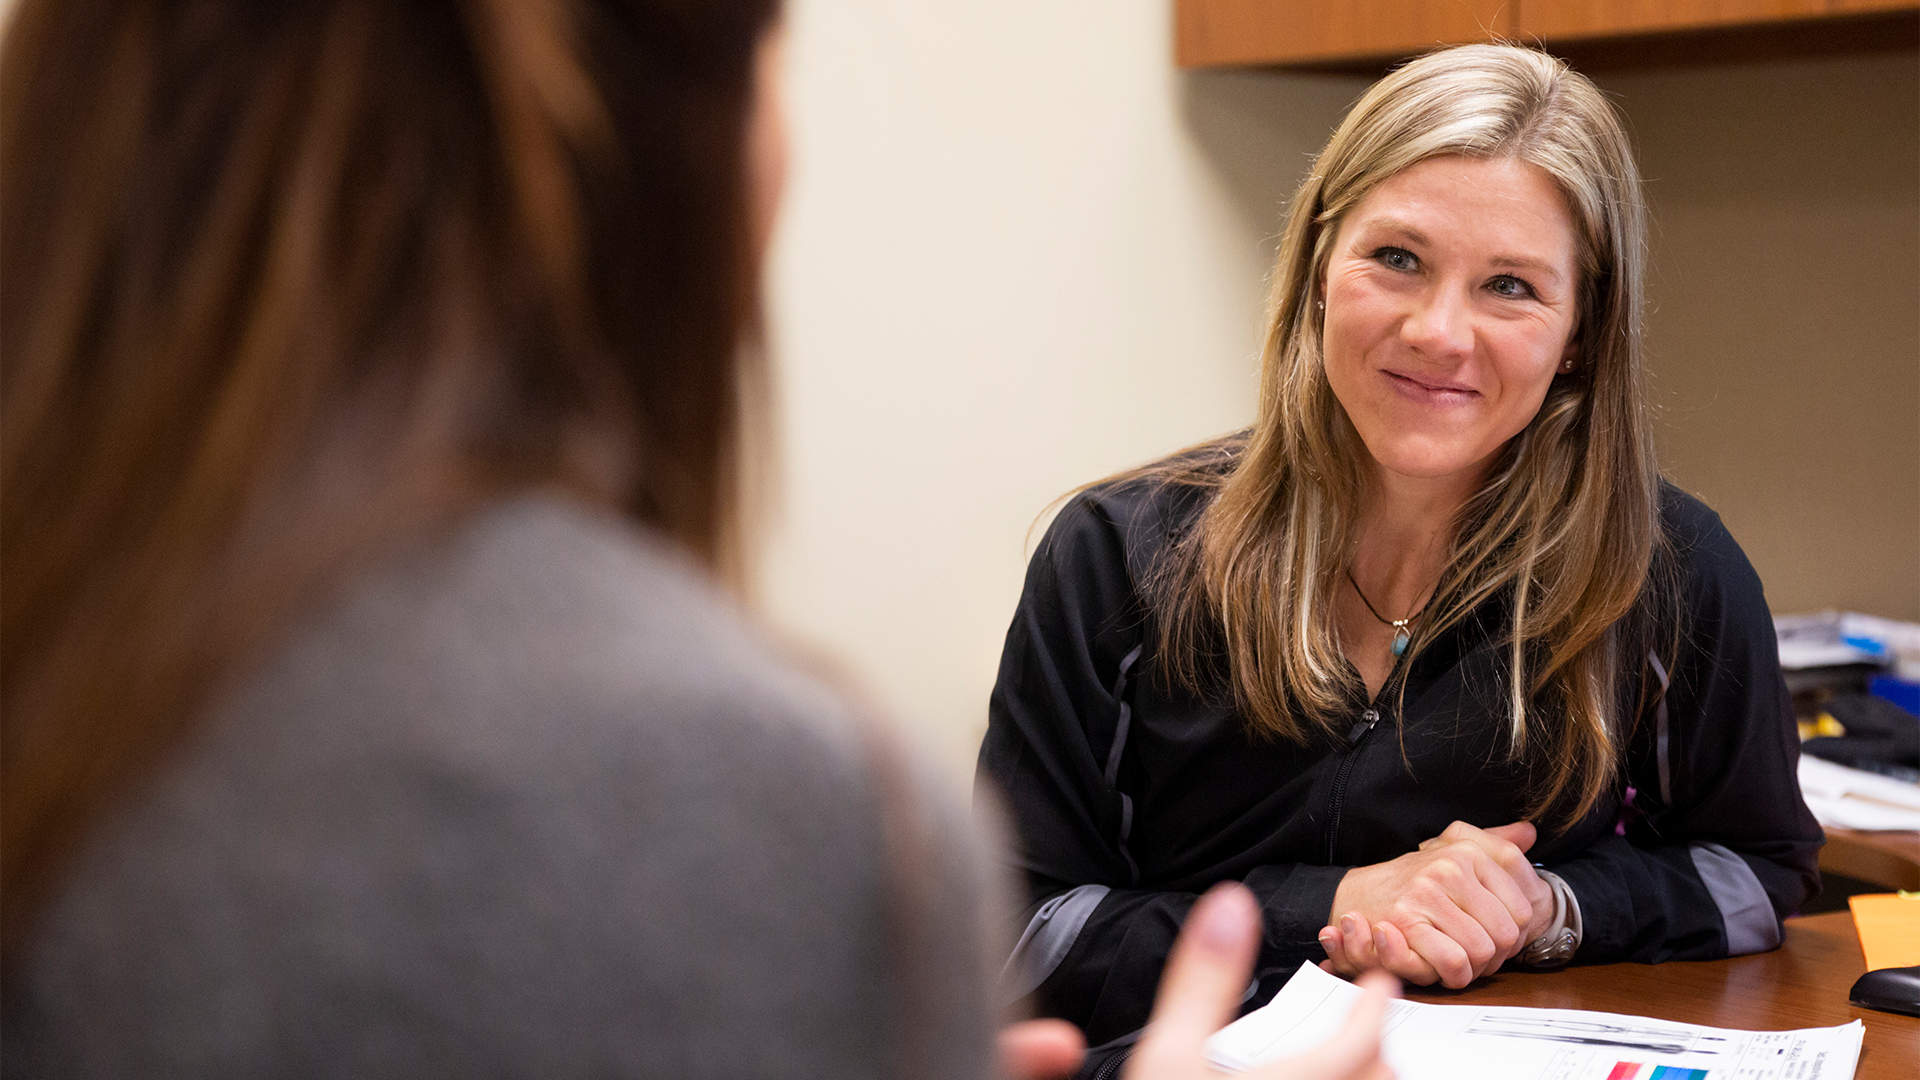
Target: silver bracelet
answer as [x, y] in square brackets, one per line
[1562, 939]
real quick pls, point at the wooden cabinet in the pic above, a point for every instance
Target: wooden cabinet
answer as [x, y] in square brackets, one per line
[1228, 32]
[1332, 33]
[1565, 19]
[1587, 18]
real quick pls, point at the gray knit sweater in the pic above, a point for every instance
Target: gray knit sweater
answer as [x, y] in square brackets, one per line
[530, 802]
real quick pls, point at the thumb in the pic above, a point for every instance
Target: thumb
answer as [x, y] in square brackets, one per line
[1203, 982]
[1040, 1050]
[1520, 834]
[1354, 1051]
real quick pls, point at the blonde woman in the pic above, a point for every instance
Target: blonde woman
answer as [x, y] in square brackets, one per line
[1430, 658]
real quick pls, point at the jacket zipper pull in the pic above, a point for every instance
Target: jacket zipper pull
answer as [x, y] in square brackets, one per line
[1367, 720]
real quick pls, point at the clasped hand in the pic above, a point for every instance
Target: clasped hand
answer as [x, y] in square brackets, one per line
[1463, 904]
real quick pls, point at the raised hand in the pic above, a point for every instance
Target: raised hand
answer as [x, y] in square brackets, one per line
[1040, 1050]
[1202, 986]
[1463, 904]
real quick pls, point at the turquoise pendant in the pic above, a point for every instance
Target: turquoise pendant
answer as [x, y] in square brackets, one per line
[1400, 639]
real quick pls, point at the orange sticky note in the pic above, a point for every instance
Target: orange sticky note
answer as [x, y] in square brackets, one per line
[1889, 928]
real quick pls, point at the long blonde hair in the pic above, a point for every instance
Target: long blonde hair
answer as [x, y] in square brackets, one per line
[1565, 526]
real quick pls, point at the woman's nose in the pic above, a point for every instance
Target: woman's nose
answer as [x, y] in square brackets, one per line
[1440, 324]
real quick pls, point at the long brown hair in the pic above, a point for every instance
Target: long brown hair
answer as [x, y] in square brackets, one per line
[1566, 525]
[285, 285]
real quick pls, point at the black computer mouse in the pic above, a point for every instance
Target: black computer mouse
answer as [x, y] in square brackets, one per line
[1894, 989]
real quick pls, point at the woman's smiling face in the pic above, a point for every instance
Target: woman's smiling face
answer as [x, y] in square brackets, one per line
[1451, 298]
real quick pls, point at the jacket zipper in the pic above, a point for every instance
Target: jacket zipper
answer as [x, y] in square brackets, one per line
[1111, 1067]
[1368, 718]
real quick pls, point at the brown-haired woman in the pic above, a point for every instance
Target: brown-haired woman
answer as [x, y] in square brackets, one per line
[372, 378]
[1435, 619]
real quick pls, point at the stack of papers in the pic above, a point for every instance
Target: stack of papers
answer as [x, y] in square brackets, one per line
[1843, 798]
[1458, 1042]
[1829, 638]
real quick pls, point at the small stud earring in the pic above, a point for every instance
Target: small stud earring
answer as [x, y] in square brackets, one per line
[1566, 367]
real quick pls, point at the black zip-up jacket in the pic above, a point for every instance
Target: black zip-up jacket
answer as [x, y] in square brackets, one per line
[1130, 798]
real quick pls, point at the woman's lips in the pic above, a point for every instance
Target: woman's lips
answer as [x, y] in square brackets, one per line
[1428, 393]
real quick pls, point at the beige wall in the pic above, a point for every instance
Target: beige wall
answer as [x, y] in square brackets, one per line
[1019, 253]
[1785, 331]
[1022, 252]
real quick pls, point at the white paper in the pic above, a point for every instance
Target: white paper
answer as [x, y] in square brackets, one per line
[1826, 638]
[1472, 1042]
[1846, 798]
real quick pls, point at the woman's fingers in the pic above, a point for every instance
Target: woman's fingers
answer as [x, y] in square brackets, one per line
[1452, 898]
[1453, 833]
[1501, 865]
[1492, 909]
[1455, 924]
[1514, 861]
[1450, 961]
[1464, 904]
[1521, 834]
[1349, 945]
[1354, 949]
[1333, 942]
[1201, 986]
[1040, 1050]
[1507, 846]
[1396, 956]
[1443, 952]
[1500, 868]
[1353, 1053]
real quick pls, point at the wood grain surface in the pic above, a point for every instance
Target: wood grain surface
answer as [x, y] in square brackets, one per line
[1307, 31]
[1891, 859]
[1599, 18]
[1365, 36]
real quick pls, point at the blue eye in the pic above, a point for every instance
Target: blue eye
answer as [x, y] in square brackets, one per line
[1511, 287]
[1397, 258]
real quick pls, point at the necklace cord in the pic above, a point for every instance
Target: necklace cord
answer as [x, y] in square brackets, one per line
[1397, 624]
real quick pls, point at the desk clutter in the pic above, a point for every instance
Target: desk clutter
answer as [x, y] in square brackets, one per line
[1429, 1041]
[1846, 798]
[1855, 681]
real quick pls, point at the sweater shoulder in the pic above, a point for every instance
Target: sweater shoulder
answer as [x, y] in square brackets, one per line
[449, 789]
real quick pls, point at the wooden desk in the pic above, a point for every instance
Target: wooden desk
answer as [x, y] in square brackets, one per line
[1891, 859]
[1802, 984]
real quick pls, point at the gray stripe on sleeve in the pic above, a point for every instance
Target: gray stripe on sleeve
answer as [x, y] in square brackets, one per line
[1045, 941]
[1660, 731]
[1743, 904]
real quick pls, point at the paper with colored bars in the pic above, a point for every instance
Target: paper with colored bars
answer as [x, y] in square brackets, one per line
[1469, 1042]
[1640, 1070]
